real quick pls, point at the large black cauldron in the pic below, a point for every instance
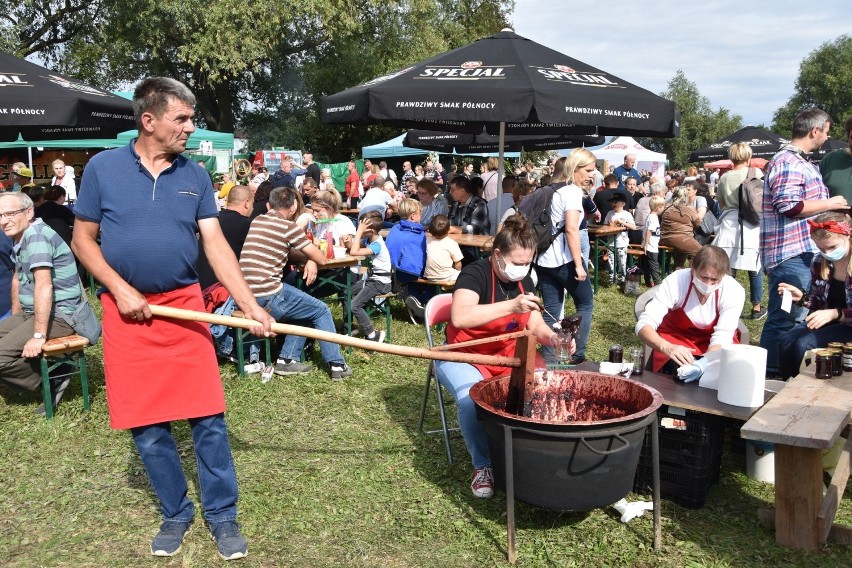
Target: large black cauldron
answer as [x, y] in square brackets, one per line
[587, 457]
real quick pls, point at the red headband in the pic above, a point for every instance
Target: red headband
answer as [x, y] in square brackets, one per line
[839, 227]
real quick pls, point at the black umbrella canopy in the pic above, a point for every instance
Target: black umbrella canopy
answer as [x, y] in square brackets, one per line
[505, 78]
[830, 145]
[764, 144]
[484, 142]
[38, 104]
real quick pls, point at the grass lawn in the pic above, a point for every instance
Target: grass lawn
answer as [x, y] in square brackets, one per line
[337, 474]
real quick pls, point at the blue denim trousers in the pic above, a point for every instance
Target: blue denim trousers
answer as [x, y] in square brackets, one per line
[795, 271]
[457, 378]
[217, 477]
[291, 305]
[553, 283]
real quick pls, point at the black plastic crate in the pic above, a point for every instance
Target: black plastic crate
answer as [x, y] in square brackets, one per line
[679, 449]
[685, 486]
[691, 426]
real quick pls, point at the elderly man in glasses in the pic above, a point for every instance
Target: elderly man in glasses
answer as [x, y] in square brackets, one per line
[46, 294]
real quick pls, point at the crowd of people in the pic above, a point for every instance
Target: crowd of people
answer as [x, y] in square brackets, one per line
[150, 227]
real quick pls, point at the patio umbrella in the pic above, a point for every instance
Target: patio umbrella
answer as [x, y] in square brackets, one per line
[507, 84]
[830, 145]
[764, 144]
[461, 143]
[38, 104]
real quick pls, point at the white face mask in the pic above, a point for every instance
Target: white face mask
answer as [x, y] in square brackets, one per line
[705, 288]
[837, 254]
[513, 272]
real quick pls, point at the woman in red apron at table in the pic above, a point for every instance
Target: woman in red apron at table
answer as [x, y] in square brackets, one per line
[695, 311]
[492, 296]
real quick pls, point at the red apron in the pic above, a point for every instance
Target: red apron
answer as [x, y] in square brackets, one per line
[677, 328]
[160, 369]
[506, 324]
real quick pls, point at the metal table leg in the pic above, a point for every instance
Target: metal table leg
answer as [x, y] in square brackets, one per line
[510, 493]
[655, 465]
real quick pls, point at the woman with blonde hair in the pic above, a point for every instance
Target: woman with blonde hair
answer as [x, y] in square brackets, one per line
[489, 178]
[739, 238]
[677, 224]
[561, 267]
[829, 299]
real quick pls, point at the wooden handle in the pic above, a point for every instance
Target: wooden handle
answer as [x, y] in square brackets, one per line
[504, 337]
[287, 329]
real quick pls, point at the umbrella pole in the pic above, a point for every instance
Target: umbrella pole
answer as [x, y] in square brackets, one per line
[30, 159]
[500, 173]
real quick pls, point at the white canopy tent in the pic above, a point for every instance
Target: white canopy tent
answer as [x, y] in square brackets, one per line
[615, 151]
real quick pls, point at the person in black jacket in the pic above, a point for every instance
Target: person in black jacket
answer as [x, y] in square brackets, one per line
[235, 221]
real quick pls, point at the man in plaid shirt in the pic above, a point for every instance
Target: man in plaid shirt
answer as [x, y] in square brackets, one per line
[793, 191]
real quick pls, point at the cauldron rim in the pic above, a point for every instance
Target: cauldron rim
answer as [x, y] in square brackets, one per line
[656, 403]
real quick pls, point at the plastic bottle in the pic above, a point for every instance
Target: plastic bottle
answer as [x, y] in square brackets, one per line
[329, 244]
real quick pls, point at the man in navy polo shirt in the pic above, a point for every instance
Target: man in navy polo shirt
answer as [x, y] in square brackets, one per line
[148, 201]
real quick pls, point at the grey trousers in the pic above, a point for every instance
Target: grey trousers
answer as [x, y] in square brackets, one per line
[362, 292]
[15, 331]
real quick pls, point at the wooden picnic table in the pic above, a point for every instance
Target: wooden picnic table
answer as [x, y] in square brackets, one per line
[323, 277]
[483, 242]
[805, 418]
[605, 234]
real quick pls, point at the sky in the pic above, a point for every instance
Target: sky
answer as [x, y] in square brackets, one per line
[742, 55]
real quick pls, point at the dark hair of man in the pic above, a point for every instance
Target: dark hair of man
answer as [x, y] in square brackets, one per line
[439, 226]
[383, 164]
[154, 95]
[281, 198]
[809, 119]
[516, 232]
[37, 192]
[308, 181]
[238, 194]
[462, 183]
[509, 183]
[610, 179]
[847, 126]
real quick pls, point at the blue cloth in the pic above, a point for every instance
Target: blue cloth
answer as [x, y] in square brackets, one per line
[7, 270]
[553, 283]
[406, 244]
[291, 305]
[623, 173]
[216, 474]
[795, 271]
[148, 226]
[457, 378]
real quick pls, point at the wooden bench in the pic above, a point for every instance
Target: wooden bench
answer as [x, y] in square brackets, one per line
[805, 418]
[240, 335]
[57, 353]
[440, 285]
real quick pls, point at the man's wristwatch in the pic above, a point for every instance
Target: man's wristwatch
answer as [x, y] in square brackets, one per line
[38, 335]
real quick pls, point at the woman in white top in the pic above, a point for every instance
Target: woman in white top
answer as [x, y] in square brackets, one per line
[741, 240]
[330, 225]
[695, 311]
[560, 267]
[65, 177]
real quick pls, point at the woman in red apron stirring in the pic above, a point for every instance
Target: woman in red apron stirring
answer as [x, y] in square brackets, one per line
[695, 311]
[492, 296]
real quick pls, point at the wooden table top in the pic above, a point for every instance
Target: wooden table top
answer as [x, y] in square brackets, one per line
[339, 262]
[484, 242]
[687, 395]
[808, 412]
[604, 230]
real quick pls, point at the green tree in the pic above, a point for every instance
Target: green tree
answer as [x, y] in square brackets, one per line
[699, 123]
[824, 81]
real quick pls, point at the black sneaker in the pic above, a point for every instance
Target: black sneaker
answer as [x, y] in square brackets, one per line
[292, 368]
[416, 311]
[577, 359]
[168, 540]
[229, 540]
[57, 389]
[758, 314]
[340, 372]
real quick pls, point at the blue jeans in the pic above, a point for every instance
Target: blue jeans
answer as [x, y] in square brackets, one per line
[217, 478]
[457, 378]
[585, 247]
[553, 283]
[795, 271]
[755, 285]
[299, 308]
